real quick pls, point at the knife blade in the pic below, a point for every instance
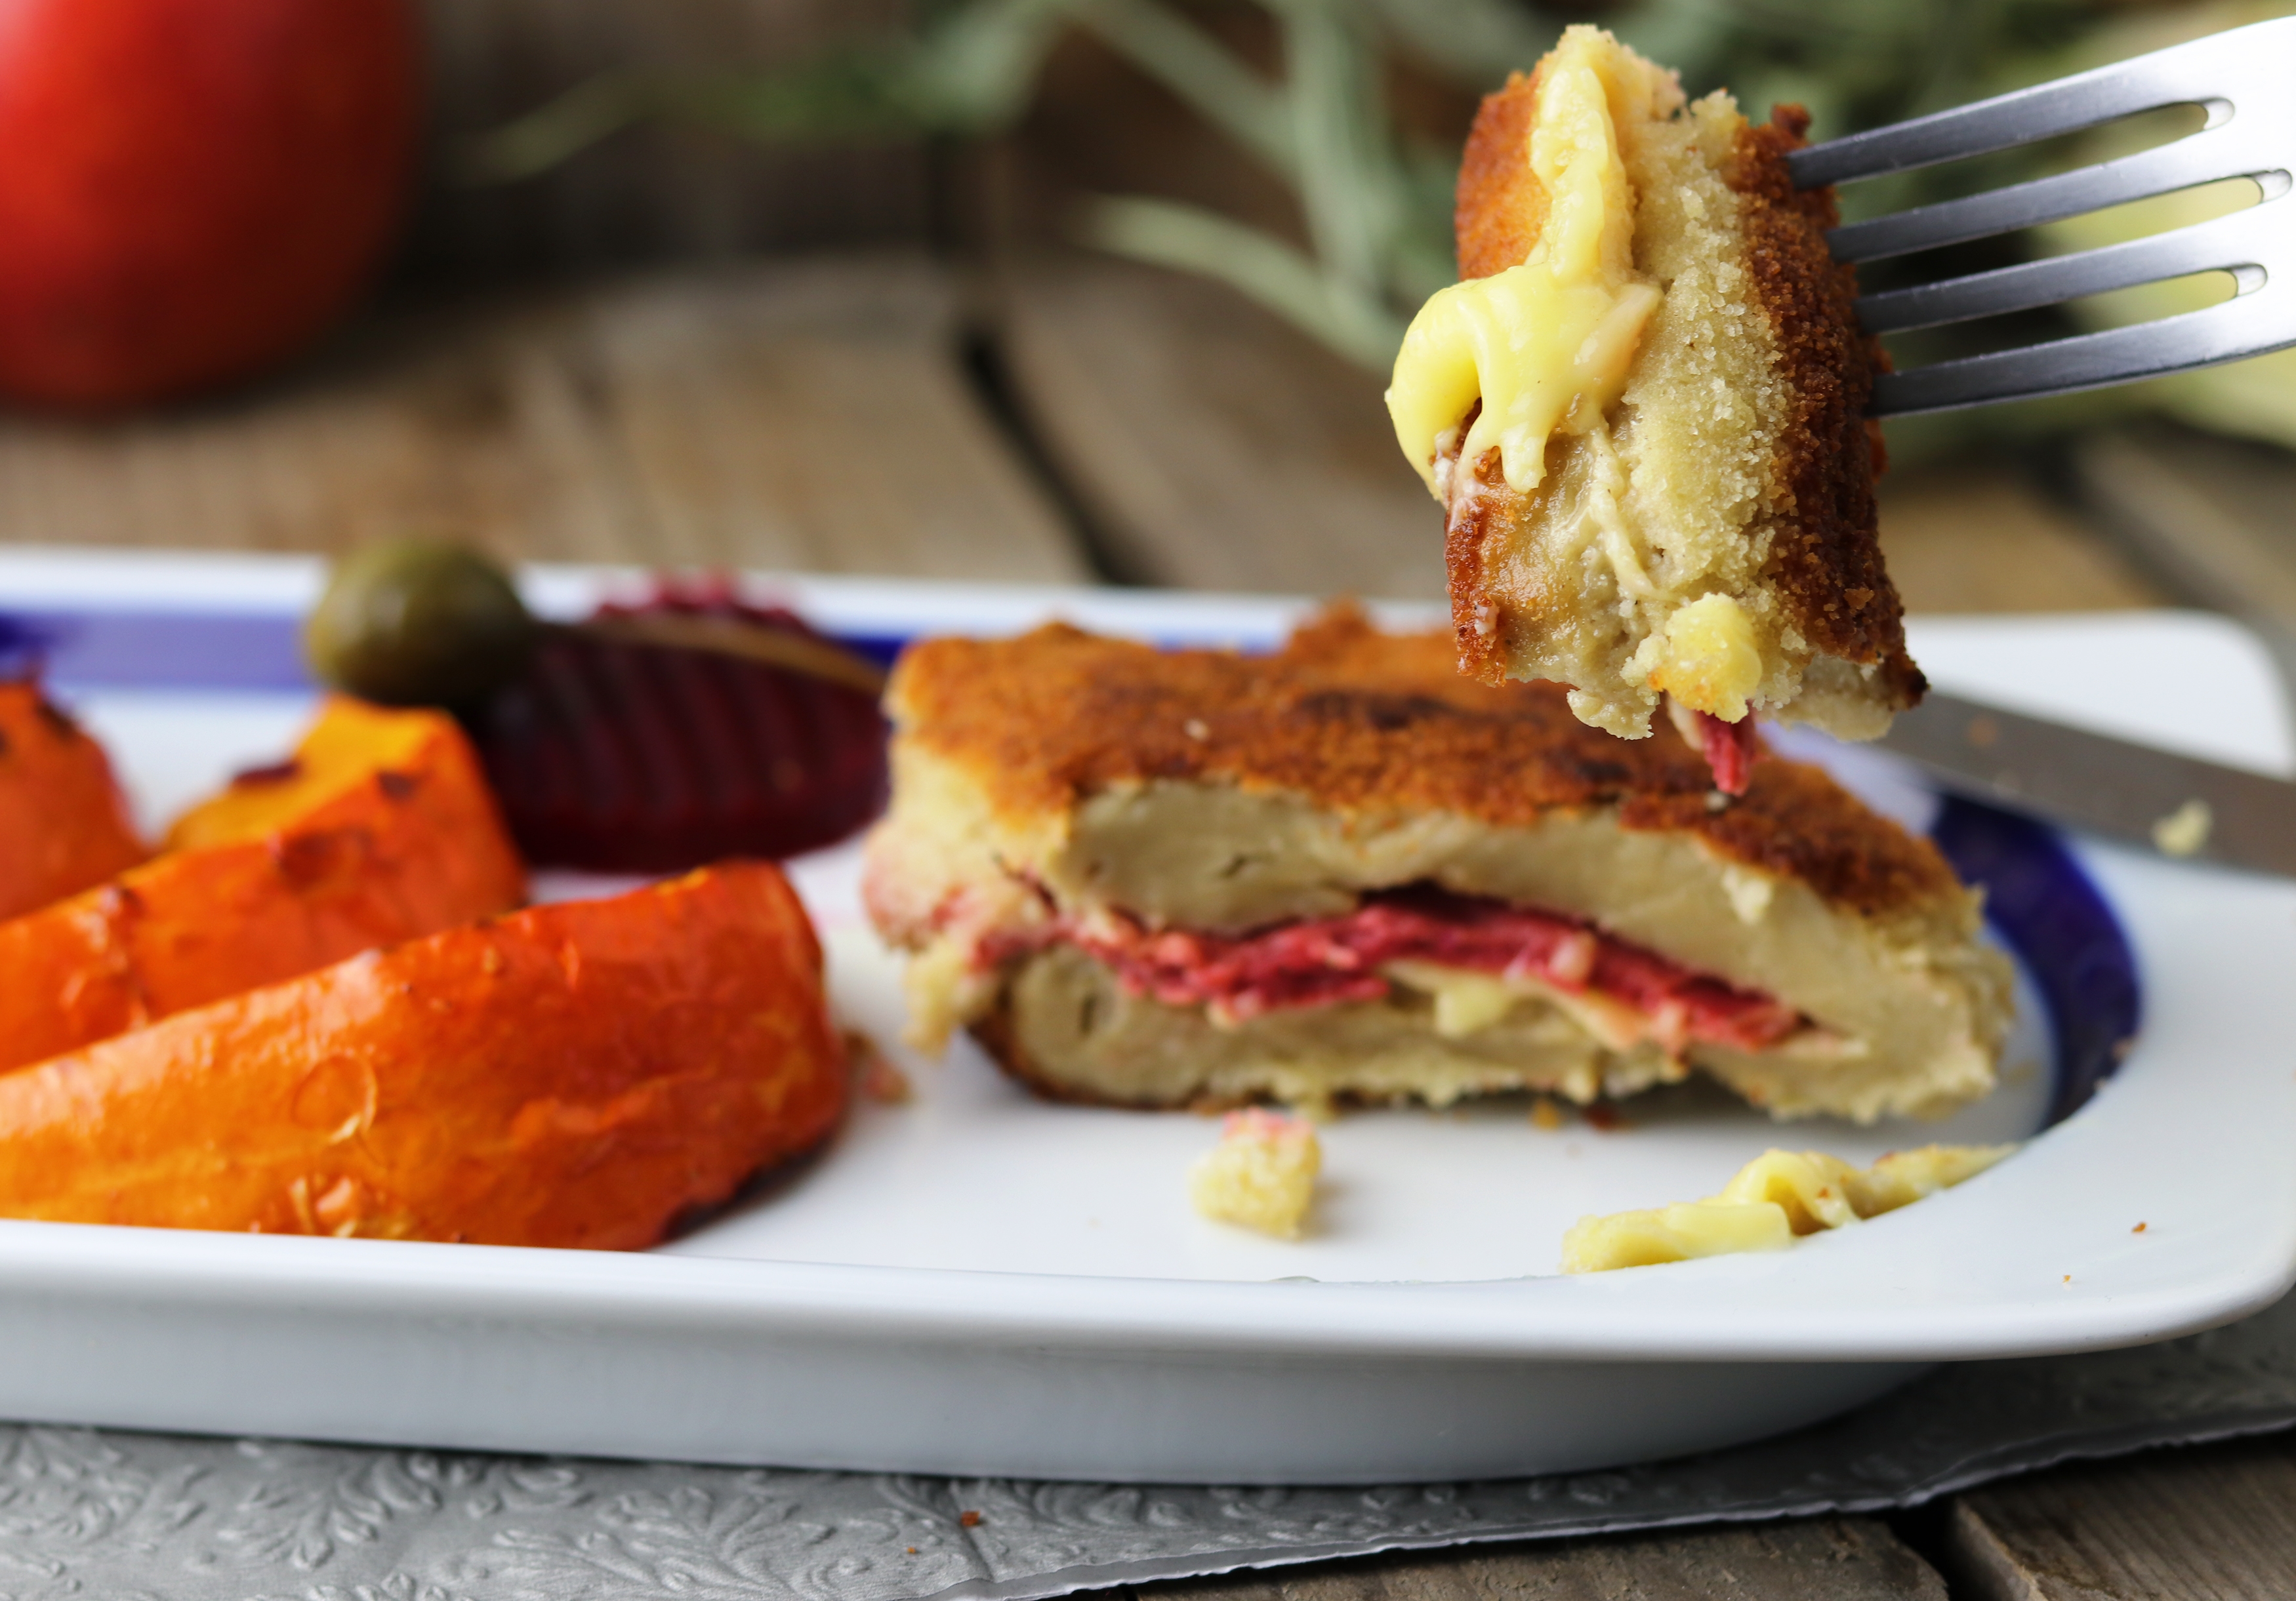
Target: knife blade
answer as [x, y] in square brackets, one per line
[2175, 804]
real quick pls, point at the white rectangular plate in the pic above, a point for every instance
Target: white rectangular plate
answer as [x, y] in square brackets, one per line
[977, 1281]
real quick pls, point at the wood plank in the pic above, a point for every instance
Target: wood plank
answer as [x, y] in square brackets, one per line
[2183, 1526]
[1977, 536]
[1210, 446]
[1830, 1559]
[813, 416]
[658, 192]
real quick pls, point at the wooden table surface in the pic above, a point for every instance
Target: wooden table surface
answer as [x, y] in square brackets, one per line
[1056, 423]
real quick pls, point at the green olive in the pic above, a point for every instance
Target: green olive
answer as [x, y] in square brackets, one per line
[418, 622]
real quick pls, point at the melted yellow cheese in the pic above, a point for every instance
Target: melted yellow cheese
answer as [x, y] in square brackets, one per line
[1467, 1002]
[1546, 345]
[1706, 656]
[1776, 1197]
[1678, 1233]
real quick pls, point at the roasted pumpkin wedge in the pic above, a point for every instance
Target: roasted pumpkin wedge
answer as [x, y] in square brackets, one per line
[62, 824]
[585, 1073]
[382, 828]
[352, 749]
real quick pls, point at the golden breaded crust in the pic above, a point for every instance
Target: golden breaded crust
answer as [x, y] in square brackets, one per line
[1360, 723]
[1826, 560]
[1501, 206]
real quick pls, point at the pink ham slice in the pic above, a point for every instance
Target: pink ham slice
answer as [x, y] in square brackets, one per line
[1729, 749]
[1319, 961]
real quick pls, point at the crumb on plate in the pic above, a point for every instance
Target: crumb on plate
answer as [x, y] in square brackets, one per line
[1261, 1174]
[2184, 832]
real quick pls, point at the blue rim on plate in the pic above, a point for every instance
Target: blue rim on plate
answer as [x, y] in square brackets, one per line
[2037, 896]
[2049, 911]
[247, 653]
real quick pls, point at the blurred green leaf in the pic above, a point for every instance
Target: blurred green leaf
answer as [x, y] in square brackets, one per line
[1221, 88]
[1285, 280]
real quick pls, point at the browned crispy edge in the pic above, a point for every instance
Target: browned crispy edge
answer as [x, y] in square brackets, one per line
[1483, 626]
[1826, 555]
[1365, 723]
[1500, 206]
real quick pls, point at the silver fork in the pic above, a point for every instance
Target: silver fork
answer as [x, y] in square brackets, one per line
[2246, 78]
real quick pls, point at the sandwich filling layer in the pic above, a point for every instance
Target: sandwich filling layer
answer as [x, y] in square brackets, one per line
[1475, 956]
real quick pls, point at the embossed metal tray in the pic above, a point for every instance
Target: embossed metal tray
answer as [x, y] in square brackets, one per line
[977, 1282]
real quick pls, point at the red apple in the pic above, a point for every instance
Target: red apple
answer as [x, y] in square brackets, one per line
[191, 189]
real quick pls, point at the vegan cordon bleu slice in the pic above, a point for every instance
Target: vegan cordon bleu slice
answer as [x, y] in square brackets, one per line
[1643, 410]
[1195, 877]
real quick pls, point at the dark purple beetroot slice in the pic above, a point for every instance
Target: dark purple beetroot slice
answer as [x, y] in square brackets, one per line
[621, 758]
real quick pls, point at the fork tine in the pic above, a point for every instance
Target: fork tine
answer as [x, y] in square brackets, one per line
[2186, 74]
[2229, 152]
[2251, 324]
[2238, 75]
[2224, 242]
